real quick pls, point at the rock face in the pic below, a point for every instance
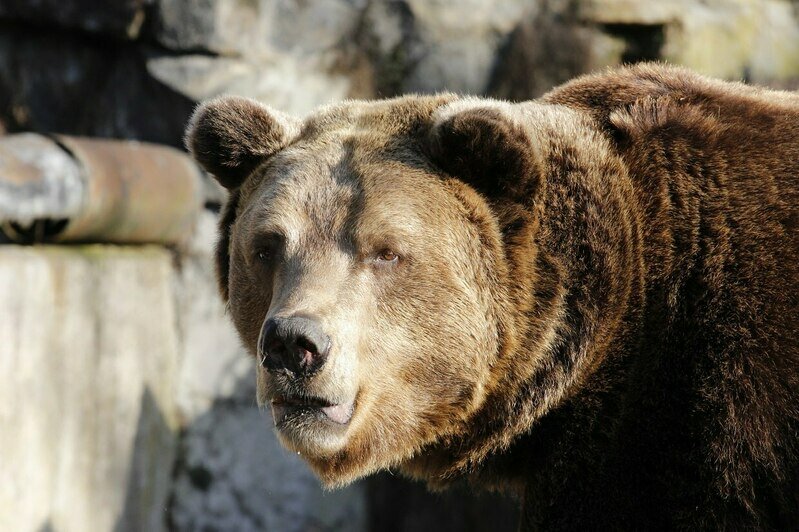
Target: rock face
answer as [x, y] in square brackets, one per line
[234, 475]
[757, 40]
[135, 69]
[439, 45]
[118, 19]
[754, 40]
[65, 81]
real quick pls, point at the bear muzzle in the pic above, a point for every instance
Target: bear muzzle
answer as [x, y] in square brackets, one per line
[286, 407]
[296, 348]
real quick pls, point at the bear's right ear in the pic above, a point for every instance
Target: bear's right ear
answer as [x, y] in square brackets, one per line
[229, 136]
[485, 149]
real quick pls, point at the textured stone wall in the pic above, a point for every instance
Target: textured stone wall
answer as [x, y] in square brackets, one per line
[136, 68]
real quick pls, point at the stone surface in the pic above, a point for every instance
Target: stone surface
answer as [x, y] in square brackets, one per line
[255, 27]
[55, 81]
[458, 42]
[213, 363]
[235, 475]
[97, 76]
[423, 46]
[294, 85]
[88, 364]
[632, 11]
[550, 48]
[225, 27]
[757, 40]
[120, 19]
[287, 54]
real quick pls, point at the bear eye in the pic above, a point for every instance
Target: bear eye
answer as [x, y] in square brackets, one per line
[265, 248]
[387, 256]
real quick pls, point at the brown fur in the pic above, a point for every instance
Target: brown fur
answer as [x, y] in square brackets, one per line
[230, 140]
[596, 303]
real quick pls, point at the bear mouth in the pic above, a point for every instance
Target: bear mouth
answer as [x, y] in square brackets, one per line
[293, 409]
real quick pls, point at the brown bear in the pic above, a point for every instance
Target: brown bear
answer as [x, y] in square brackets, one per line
[590, 300]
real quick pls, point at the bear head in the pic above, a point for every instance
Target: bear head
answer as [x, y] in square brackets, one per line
[364, 257]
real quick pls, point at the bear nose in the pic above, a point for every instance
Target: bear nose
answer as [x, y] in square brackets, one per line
[295, 343]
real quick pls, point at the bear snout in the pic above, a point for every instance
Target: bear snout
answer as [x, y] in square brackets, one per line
[297, 344]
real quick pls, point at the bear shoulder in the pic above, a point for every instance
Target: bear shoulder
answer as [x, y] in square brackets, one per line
[648, 96]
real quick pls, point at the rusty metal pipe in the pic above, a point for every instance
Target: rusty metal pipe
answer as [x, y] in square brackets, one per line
[69, 189]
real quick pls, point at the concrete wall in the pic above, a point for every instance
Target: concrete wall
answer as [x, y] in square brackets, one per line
[89, 359]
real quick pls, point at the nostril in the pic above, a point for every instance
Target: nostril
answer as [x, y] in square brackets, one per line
[270, 346]
[274, 345]
[306, 351]
[307, 345]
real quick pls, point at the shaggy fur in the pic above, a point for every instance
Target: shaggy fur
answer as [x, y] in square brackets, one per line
[230, 140]
[595, 306]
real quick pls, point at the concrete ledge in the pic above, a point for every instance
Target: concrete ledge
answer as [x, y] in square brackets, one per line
[88, 359]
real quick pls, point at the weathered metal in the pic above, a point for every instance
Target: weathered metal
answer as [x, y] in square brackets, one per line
[38, 179]
[90, 190]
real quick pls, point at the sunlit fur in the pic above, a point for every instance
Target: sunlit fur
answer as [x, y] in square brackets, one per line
[595, 305]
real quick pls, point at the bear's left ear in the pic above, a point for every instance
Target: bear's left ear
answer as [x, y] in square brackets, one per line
[229, 136]
[485, 149]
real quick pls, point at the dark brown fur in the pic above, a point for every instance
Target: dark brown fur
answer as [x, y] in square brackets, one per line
[637, 232]
[231, 141]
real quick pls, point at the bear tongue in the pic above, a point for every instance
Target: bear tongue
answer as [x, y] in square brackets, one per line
[339, 413]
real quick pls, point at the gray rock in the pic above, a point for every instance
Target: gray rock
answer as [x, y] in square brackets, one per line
[59, 82]
[757, 40]
[254, 27]
[293, 84]
[227, 27]
[296, 55]
[460, 64]
[234, 475]
[459, 42]
[303, 28]
[119, 19]
[292, 55]
[213, 363]
[422, 46]
[548, 49]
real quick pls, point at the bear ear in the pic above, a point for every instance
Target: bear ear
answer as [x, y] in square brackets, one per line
[485, 149]
[229, 136]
